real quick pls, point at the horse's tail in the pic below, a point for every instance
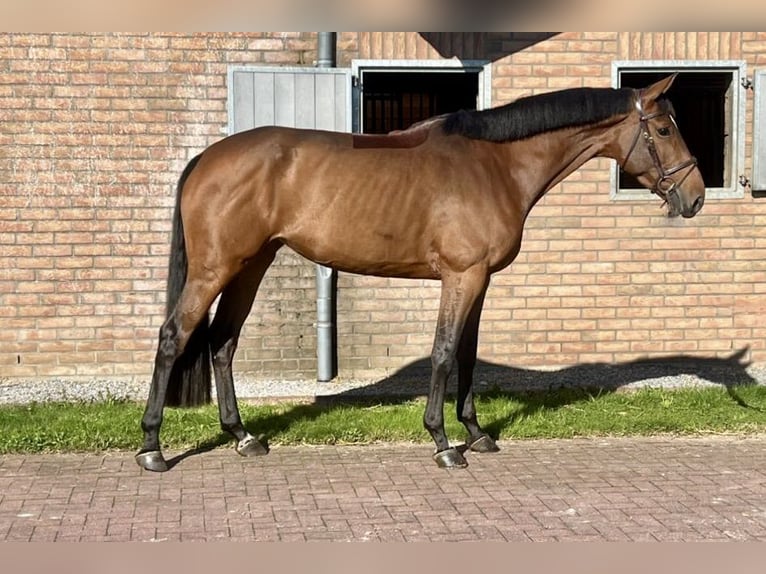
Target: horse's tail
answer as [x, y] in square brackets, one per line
[190, 380]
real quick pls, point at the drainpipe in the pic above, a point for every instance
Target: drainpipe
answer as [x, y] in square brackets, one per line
[326, 278]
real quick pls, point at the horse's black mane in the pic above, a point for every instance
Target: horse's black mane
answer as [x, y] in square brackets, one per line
[533, 115]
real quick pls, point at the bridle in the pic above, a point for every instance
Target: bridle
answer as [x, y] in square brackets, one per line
[665, 184]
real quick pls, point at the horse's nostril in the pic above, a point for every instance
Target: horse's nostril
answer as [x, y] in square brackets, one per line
[697, 205]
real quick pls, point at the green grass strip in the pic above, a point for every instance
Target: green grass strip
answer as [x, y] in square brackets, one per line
[115, 424]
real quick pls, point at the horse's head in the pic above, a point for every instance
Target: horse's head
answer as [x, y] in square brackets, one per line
[654, 152]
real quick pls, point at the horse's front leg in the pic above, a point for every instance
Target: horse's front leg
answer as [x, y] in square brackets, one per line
[478, 440]
[460, 292]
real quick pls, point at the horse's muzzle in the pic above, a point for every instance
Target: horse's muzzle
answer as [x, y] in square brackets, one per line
[695, 207]
[678, 206]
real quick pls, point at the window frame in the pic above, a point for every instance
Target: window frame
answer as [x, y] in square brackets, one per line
[735, 121]
[759, 133]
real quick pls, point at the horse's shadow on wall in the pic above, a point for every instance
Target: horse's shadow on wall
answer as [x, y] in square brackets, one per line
[524, 385]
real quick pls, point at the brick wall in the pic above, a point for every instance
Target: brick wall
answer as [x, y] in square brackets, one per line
[97, 127]
[95, 131]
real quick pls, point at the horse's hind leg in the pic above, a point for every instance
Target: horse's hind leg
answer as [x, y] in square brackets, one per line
[478, 440]
[233, 308]
[197, 296]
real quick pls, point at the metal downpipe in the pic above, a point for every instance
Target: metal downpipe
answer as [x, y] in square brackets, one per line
[326, 278]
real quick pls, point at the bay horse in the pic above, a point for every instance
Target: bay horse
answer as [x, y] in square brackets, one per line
[445, 199]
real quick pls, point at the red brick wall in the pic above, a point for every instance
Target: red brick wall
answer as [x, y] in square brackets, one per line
[95, 131]
[97, 127]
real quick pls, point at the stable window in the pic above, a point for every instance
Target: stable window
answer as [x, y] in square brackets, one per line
[393, 95]
[709, 101]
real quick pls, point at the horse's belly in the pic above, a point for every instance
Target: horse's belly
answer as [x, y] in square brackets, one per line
[364, 257]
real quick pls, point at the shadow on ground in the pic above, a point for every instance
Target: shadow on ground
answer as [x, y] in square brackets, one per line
[532, 387]
[412, 380]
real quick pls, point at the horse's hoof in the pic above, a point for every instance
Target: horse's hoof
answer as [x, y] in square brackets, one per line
[251, 446]
[450, 458]
[152, 460]
[484, 443]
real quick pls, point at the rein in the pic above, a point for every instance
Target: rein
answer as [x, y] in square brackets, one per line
[665, 184]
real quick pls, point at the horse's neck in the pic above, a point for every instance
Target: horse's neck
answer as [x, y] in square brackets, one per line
[564, 153]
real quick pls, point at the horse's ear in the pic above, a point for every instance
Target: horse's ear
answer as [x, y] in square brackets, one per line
[654, 91]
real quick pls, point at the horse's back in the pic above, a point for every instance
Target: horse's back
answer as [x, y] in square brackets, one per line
[307, 159]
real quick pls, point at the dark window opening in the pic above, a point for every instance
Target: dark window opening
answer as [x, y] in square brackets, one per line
[702, 114]
[396, 100]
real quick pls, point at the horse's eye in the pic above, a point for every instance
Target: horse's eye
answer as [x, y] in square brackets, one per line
[663, 131]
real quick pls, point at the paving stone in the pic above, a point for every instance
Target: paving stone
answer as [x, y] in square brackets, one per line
[627, 489]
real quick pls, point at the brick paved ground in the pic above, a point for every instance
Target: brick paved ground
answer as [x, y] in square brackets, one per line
[615, 489]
